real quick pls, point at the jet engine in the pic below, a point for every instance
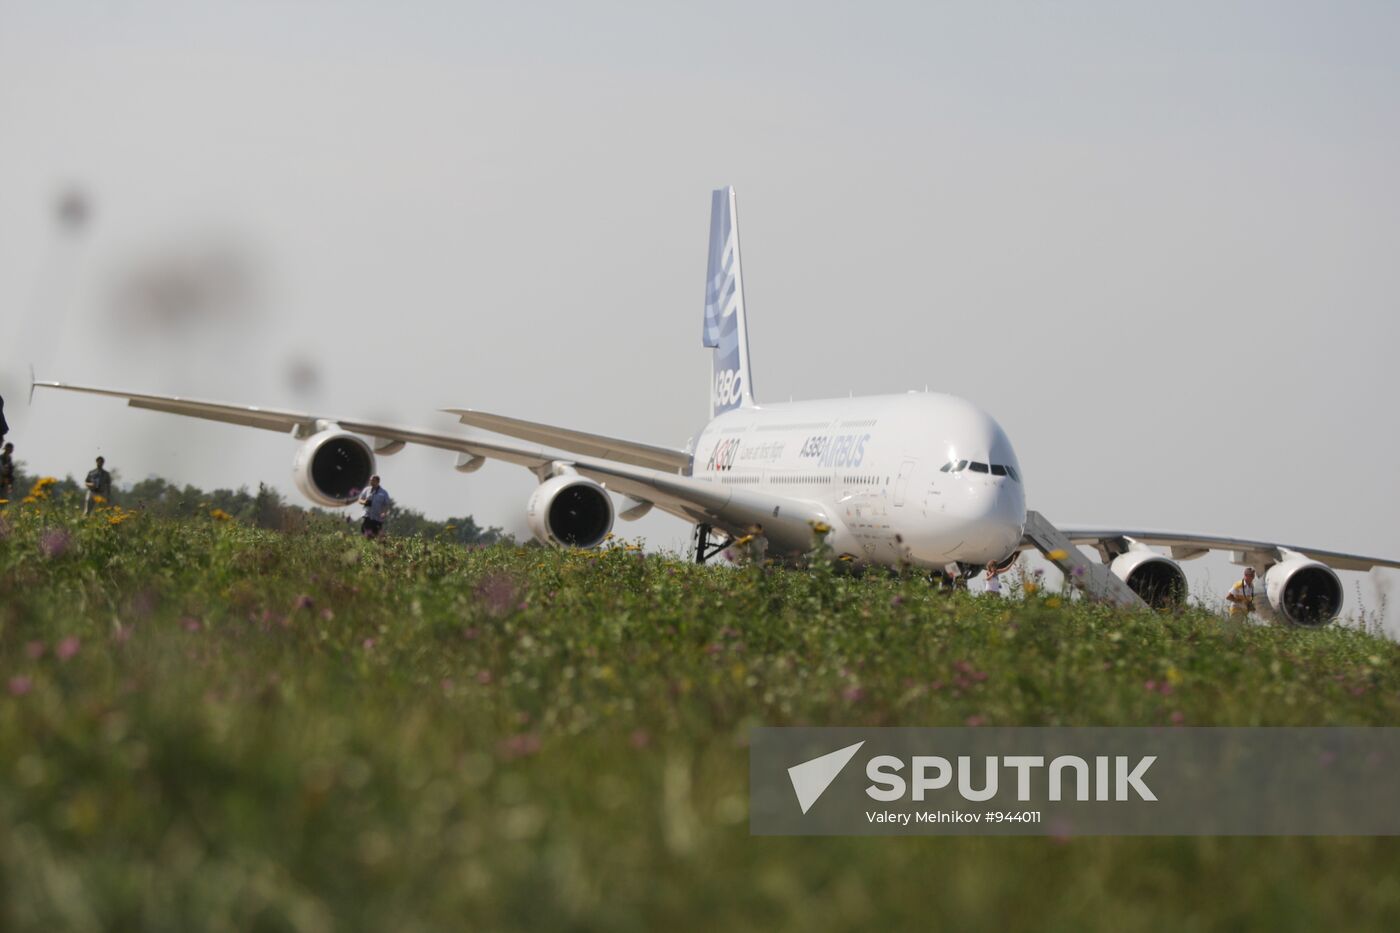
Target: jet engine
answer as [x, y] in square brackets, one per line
[1305, 592]
[332, 467]
[1158, 580]
[570, 511]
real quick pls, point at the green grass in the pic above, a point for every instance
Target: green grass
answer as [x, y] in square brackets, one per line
[306, 731]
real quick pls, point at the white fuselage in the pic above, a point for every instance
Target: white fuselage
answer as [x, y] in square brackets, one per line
[875, 468]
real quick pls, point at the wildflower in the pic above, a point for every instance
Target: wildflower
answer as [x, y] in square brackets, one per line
[521, 746]
[67, 648]
[20, 685]
[1078, 570]
[1177, 717]
[820, 528]
[975, 721]
[191, 624]
[896, 602]
[35, 650]
[367, 644]
[497, 593]
[219, 515]
[304, 601]
[54, 542]
[639, 738]
[853, 694]
[1057, 554]
[99, 500]
[484, 678]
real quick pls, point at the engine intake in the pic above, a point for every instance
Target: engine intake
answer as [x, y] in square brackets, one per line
[332, 467]
[570, 511]
[1305, 592]
[1159, 580]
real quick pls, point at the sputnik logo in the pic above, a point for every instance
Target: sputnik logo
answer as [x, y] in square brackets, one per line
[811, 778]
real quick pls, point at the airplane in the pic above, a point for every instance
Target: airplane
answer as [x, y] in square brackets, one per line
[920, 480]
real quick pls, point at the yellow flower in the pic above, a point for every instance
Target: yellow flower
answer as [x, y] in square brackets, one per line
[1057, 554]
[740, 542]
[4, 501]
[98, 499]
[1030, 588]
[821, 528]
[1173, 676]
[28, 500]
[219, 515]
[1053, 602]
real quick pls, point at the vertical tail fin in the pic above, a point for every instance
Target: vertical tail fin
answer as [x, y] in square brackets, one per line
[726, 327]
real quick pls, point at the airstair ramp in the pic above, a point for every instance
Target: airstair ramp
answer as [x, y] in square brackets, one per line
[1095, 580]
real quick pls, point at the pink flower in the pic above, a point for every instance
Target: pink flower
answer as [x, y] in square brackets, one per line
[484, 678]
[35, 650]
[853, 694]
[21, 685]
[521, 746]
[304, 601]
[367, 644]
[499, 595]
[67, 648]
[1178, 717]
[975, 721]
[1150, 686]
[446, 685]
[640, 738]
[54, 542]
[191, 624]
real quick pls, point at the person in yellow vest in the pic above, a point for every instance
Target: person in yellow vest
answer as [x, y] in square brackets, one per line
[1241, 595]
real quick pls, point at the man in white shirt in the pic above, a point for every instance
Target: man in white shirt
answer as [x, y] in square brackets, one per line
[375, 499]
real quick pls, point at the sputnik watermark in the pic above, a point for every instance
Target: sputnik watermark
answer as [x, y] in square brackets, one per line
[1075, 781]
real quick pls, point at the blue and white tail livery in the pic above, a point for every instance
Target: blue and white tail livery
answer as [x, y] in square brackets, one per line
[726, 326]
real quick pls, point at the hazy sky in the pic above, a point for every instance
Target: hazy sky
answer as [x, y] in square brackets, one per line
[1156, 241]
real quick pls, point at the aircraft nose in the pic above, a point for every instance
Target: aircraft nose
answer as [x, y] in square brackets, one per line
[991, 518]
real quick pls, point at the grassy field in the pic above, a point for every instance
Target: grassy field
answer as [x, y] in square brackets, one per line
[205, 725]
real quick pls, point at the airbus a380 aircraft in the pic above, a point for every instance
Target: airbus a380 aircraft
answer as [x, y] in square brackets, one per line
[921, 479]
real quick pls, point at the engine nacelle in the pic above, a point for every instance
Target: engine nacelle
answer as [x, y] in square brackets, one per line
[332, 467]
[1159, 580]
[570, 511]
[1305, 592]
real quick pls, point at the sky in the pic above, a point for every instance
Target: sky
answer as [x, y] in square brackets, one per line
[1155, 241]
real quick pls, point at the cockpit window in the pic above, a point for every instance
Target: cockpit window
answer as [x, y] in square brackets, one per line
[947, 467]
[977, 467]
[1011, 472]
[962, 465]
[998, 469]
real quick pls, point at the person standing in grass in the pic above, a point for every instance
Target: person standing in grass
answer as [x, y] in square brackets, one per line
[99, 487]
[993, 579]
[375, 499]
[1241, 596]
[7, 471]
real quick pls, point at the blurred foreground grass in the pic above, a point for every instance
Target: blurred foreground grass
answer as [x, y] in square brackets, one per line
[205, 725]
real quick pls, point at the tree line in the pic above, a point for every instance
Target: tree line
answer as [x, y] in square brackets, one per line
[265, 508]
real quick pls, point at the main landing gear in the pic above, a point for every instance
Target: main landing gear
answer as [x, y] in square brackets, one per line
[704, 545]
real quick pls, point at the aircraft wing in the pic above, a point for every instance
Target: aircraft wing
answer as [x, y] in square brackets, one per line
[596, 445]
[1187, 546]
[694, 500]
